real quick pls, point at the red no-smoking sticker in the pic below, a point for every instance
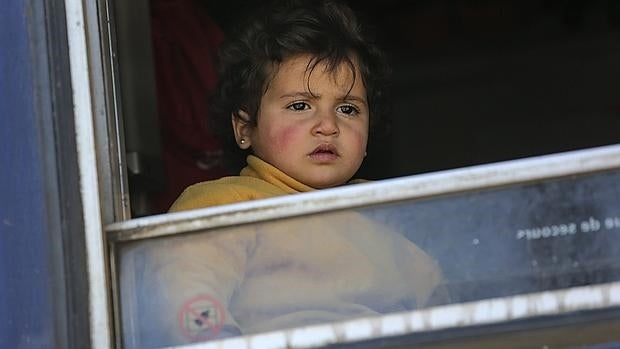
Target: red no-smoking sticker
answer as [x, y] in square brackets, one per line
[201, 318]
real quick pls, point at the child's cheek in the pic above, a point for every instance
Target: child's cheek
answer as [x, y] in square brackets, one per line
[284, 138]
[359, 140]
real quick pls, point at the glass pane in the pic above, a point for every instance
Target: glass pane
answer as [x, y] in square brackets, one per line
[371, 261]
[537, 237]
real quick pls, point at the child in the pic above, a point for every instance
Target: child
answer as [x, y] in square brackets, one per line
[302, 85]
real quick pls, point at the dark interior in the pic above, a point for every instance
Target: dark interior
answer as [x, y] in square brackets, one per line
[475, 82]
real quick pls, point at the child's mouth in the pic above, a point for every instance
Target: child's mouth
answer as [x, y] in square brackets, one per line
[324, 152]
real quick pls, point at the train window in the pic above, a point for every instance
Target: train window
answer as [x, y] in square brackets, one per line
[467, 198]
[427, 243]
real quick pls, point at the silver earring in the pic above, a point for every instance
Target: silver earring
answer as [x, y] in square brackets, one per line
[242, 141]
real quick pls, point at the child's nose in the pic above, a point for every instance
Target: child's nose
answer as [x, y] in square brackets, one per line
[326, 125]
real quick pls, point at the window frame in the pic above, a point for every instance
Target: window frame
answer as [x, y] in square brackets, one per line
[546, 309]
[447, 182]
[99, 149]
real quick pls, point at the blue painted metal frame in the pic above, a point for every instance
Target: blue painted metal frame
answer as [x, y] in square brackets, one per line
[26, 296]
[42, 274]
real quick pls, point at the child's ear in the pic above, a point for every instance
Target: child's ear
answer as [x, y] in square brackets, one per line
[242, 128]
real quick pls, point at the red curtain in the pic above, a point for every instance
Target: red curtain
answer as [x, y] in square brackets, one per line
[185, 43]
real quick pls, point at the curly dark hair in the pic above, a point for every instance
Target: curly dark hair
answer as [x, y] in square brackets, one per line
[328, 30]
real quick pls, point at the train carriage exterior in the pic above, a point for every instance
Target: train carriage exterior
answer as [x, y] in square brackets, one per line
[538, 236]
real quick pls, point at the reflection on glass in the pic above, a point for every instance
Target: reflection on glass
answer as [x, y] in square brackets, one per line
[530, 238]
[270, 276]
[376, 260]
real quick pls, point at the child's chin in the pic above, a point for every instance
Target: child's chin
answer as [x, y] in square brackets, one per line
[326, 184]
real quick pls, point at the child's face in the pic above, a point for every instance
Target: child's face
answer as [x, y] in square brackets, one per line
[320, 138]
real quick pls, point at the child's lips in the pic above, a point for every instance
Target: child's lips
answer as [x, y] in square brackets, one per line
[324, 152]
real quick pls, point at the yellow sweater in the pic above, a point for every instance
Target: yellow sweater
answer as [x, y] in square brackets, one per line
[258, 180]
[269, 275]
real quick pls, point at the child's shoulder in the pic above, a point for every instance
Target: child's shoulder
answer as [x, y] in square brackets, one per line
[226, 190]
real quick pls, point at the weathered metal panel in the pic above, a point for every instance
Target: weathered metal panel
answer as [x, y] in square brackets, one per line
[25, 281]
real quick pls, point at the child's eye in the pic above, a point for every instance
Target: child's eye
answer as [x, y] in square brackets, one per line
[298, 106]
[348, 109]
